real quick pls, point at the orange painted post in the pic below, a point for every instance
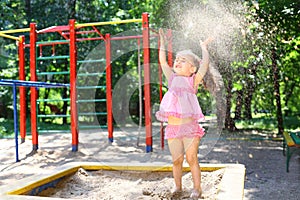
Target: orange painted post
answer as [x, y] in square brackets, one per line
[22, 89]
[147, 91]
[33, 91]
[108, 88]
[73, 93]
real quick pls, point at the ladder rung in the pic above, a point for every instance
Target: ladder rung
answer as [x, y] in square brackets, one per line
[52, 116]
[92, 113]
[52, 100]
[52, 57]
[92, 126]
[90, 100]
[90, 61]
[53, 41]
[54, 131]
[91, 74]
[91, 87]
[52, 73]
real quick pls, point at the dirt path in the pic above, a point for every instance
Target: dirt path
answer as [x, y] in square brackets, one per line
[266, 177]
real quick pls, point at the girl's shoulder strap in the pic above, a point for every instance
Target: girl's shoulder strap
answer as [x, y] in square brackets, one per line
[171, 78]
[192, 79]
[192, 83]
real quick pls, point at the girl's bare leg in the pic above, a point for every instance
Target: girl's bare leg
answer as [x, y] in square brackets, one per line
[191, 146]
[177, 151]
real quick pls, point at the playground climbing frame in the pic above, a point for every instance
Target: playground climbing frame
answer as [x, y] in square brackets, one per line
[69, 33]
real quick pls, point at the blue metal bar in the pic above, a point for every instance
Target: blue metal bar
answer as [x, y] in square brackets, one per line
[16, 83]
[32, 83]
[16, 121]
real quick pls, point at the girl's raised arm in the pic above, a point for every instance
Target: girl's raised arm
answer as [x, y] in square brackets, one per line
[167, 70]
[204, 63]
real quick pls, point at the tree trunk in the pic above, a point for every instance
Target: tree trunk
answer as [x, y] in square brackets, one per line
[28, 10]
[250, 88]
[239, 105]
[277, 92]
[248, 98]
[247, 101]
[72, 10]
[229, 122]
[289, 90]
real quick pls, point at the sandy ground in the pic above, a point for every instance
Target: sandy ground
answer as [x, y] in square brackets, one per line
[266, 177]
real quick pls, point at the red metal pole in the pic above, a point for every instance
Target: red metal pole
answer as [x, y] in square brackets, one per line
[33, 91]
[108, 88]
[22, 89]
[162, 138]
[73, 93]
[147, 92]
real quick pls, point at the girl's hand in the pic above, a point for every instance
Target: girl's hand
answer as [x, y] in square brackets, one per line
[161, 32]
[206, 42]
[162, 35]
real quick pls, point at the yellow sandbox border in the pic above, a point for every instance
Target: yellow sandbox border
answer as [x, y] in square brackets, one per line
[231, 186]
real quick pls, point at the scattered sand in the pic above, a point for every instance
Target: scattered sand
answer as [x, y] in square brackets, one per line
[129, 185]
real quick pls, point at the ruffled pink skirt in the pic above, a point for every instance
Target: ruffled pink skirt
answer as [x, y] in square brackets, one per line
[188, 130]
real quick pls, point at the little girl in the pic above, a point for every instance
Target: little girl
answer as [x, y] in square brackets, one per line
[180, 108]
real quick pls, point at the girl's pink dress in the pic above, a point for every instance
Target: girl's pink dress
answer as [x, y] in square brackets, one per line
[181, 101]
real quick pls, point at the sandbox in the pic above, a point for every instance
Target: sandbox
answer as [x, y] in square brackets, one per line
[117, 181]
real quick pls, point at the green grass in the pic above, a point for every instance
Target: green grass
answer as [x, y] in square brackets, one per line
[7, 127]
[257, 123]
[268, 123]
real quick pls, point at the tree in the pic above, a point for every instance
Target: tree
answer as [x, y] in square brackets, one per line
[280, 25]
[256, 51]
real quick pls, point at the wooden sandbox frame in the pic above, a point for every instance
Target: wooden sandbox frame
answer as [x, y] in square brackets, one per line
[231, 185]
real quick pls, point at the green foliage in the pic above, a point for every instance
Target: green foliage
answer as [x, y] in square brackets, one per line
[7, 127]
[12, 14]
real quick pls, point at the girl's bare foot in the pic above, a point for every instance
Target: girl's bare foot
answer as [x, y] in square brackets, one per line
[196, 194]
[176, 191]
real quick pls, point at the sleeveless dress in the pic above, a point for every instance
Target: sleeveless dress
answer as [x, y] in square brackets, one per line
[181, 101]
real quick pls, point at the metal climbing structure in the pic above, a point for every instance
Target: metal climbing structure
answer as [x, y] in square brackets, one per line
[71, 35]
